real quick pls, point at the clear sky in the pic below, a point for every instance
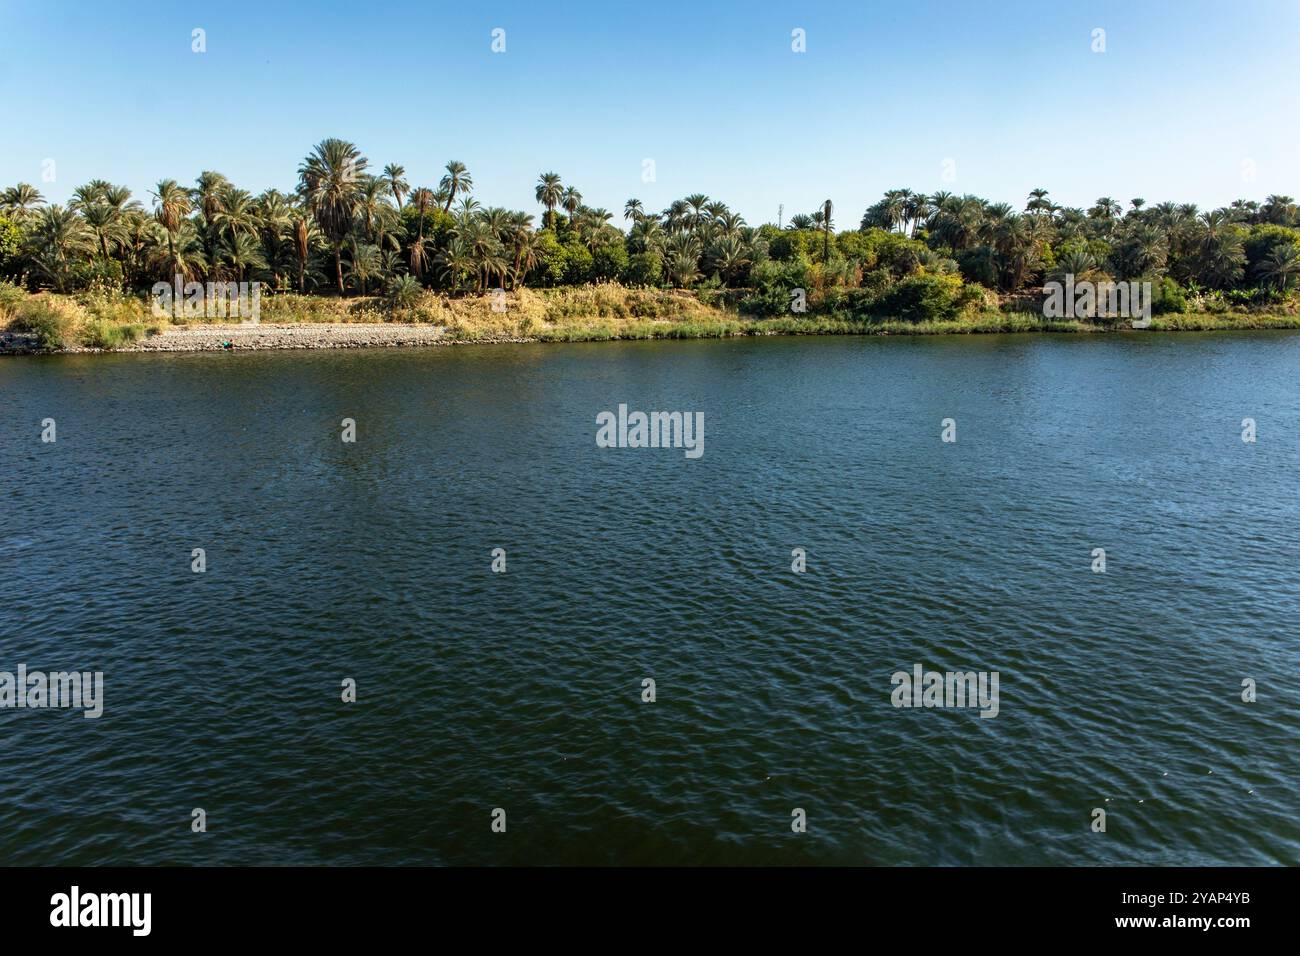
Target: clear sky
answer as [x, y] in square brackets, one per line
[1192, 100]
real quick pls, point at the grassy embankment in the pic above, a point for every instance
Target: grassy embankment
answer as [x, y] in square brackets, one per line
[110, 320]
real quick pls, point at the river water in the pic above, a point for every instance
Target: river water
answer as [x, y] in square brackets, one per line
[371, 561]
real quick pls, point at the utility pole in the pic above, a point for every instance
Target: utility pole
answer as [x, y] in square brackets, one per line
[780, 216]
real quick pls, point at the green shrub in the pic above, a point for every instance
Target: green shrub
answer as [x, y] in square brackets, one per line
[110, 304]
[1167, 296]
[577, 263]
[921, 298]
[979, 265]
[644, 268]
[98, 334]
[53, 320]
[11, 297]
[11, 240]
[403, 294]
[767, 302]
[609, 261]
[974, 299]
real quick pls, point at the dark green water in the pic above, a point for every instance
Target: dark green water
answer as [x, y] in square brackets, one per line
[522, 690]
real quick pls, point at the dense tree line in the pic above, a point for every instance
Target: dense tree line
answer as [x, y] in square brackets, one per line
[349, 228]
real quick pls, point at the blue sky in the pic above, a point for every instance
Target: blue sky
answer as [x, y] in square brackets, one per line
[1187, 93]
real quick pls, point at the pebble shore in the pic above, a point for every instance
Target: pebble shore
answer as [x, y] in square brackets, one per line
[205, 338]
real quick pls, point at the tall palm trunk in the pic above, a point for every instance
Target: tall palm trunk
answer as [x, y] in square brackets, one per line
[338, 264]
[419, 263]
[301, 236]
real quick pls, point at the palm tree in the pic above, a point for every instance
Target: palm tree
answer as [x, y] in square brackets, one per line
[20, 200]
[697, 202]
[365, 265]
[300, 220]
[729, 257]
[646, 236]
[274, 216]
[571, 200]
[826, 231]
[243, 253]
[422, 198]
[895, 207]
[1020, 241]
[119, 197]
[1222, 257]
[682, 268]
[958, 221]
[89, 194]
[104, 223]
[676, 216]
[171, 206]
[330, 179]
[60, 236]
[730, 224]
[917, 208]
[207, 197]
[525, 249]
[1279, 210]
[483, 248]
[1143, 251]
[518, 234]
[498, 220]
[456, 262]
[236, 215]
[1076, 263]
[374, 190]
[593, 225]
[633, 210]
[182, 253]
[1038, 202]
[549, 192]
[716, 209]
[1280, 267]
[396, 184]
[1245, 211]
[1105, 208]
[456, 180]
[207, 194]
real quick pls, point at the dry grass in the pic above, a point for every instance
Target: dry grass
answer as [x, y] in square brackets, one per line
[101, 318]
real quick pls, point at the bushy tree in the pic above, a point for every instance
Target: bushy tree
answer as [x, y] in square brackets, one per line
[11, 241]
[644, 268]
[921, 298]
[608, 261]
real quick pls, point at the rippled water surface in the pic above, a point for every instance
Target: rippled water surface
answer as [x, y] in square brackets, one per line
[522, 690]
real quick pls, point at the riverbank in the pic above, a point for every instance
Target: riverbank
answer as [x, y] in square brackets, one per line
[339, 335]
[47, 323]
